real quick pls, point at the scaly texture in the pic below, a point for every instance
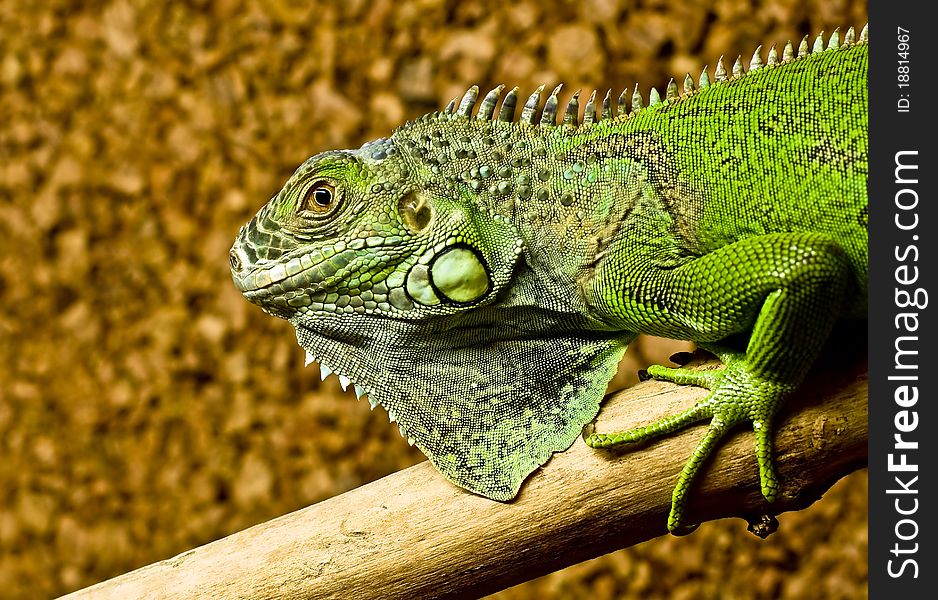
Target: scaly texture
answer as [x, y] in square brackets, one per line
[480, 276]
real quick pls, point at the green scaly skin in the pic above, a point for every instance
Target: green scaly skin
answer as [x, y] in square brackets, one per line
[480, 276]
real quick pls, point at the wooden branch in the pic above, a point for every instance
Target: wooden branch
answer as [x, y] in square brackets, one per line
[414, 535]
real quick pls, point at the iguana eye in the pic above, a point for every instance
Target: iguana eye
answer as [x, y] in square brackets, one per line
[319, 198]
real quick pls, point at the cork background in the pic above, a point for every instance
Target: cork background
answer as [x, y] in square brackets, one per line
[145, 407]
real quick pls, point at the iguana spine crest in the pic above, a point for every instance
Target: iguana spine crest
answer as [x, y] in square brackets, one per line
[462, 108]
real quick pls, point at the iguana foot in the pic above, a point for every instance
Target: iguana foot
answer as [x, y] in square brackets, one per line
[736, 396]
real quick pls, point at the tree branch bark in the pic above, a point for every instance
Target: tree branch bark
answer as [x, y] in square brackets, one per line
[413, 534]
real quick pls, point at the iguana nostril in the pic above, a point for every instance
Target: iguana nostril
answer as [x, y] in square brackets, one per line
[234, 260]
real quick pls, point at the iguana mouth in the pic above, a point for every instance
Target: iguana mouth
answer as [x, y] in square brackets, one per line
[267, 262]
[290, 276]
[301, 272]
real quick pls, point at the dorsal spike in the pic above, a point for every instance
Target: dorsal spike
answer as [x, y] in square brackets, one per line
[818, 43]
[688, 83]
[607, 106]
[530, 107]
[865, 33]
[834, 42]
[636, 100]
[623, 101]
[654, 97]
[487, 108]
[507, 111]
[571, 114]
[671, 91]
[451, 107]
[773, 56]
[720, 73]
[468, 101]
[704, 81]
[549, 116]
[738, 66]
[589, 113]
[756, 61]
[803, 47]
[789, 52]
[850, 37]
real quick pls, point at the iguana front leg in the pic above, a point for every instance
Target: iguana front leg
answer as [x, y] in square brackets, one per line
[785, 290]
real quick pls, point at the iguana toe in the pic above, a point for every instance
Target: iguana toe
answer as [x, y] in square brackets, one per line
[736, 396]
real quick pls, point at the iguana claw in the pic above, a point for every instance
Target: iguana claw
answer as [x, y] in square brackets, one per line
[736, 396]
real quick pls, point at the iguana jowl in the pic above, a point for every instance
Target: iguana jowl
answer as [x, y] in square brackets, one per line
[480, 276]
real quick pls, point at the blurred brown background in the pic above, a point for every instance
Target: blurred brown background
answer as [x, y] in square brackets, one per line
[145, 407]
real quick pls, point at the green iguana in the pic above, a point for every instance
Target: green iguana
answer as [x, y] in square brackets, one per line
[480, 276]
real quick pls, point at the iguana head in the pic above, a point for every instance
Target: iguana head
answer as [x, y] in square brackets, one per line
[404, 274]
[370, 231]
